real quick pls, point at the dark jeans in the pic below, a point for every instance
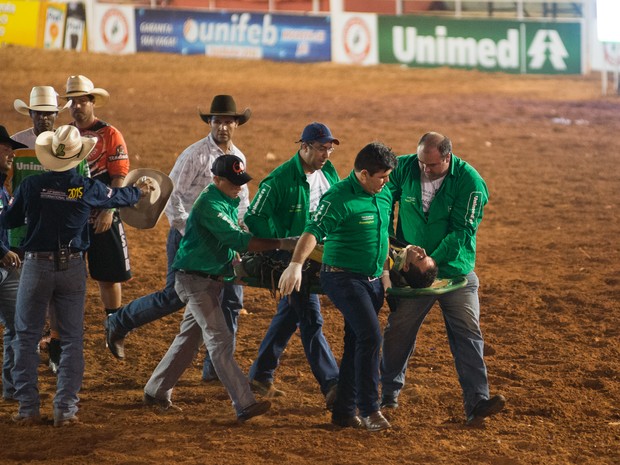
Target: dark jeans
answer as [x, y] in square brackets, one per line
[359, 299]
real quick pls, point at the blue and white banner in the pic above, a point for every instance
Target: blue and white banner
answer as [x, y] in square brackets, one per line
[234, 35]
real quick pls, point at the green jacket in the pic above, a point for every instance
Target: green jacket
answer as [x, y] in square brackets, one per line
[212, 235]
[448, 230]
[355, 225]
[281, 205]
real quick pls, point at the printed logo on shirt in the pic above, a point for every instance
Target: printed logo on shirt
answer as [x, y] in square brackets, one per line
[474, 207]
[229, 221]
[63, 196]
[119, 154]
[409, 199]
[75, 192]
[295, 208]
[321, 211]
[260, 198]
[367, 219]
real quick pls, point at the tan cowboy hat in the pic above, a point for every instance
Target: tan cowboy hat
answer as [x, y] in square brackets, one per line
[146, 213]
[79, 85]
[63, 149]
[224, 105]
[42, 98]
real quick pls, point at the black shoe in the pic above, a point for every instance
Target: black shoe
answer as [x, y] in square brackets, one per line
[486, 408]
[254, 410]
[54, 351]
[348, 422]
[389, 402]
[160, 404]
[113, 341]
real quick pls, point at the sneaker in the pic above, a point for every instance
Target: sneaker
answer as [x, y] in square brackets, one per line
[266, 389]
[54, 351]
[486, 408]
[113, 341]
[27, 420]
[348, 422]
[254, 410]
[161, 404]
[330, 396]
[376, 422]
[60, 422]
[389, 402]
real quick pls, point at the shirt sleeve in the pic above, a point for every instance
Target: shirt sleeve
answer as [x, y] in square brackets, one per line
[326, 217]
[117, 157]
[183, 174]
[262, 210]
[15, 215]
[220, 225]
[465, 218]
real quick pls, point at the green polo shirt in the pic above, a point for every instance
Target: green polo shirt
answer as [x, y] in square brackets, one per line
[281, 206]
[212, 235]
[354, 224]
[448, 230]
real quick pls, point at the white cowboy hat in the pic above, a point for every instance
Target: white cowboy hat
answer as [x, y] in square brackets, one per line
[42, 98]
[146, 213]
[79, 85]
[63, 149]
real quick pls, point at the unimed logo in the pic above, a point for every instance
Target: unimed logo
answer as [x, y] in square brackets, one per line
[517, 49]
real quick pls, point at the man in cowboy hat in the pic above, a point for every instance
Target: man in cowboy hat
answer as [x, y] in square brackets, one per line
[190, 174]
[9, 263]
[43, 111]
[108, 256]
[56, 206]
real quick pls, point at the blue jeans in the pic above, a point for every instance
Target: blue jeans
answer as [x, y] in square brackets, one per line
[41, 285]
[461, 313]
[165, 302]
[359, 300]
[8, 297]
[305, 312]
[203, 321]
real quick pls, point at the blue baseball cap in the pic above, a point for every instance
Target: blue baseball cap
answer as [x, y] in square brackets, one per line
[317, 132]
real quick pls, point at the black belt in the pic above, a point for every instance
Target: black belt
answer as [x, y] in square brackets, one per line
[214, 277]
[51, 256]
[335, 269]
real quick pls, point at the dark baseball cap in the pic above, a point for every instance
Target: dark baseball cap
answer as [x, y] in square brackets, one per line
[317, 132]
[232, 168]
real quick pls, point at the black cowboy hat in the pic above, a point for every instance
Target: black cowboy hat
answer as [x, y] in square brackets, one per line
[5, 139]
[224, 105]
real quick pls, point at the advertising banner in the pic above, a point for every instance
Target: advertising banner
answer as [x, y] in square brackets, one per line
[19, 23]
[52, 34]
[486, 45]
[234, 35]
[354, 38]
[113, 29]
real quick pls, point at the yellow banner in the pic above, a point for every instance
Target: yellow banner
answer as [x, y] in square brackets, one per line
[19, 22]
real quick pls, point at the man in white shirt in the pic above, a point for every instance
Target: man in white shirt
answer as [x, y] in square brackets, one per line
[190, 174]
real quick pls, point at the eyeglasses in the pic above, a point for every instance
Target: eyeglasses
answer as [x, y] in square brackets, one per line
[322, 149]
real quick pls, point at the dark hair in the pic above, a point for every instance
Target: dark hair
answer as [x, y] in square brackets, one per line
[416, 279]
[435, 140]
[375, 157]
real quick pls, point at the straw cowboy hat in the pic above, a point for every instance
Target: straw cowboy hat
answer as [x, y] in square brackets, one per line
[42, 98]
[224, 105]
[63, 149]
[78, 86]
[146, 213]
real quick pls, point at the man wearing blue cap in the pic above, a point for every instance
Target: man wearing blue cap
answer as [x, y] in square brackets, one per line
[285, 200]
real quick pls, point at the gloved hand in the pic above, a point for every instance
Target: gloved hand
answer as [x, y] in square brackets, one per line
[290, 279]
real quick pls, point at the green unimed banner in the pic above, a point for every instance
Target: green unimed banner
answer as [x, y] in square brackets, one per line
[486, 45]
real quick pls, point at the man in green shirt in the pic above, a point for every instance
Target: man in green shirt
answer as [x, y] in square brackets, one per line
[285, 200]
[441, 200]
[211, 242]
[353, 217]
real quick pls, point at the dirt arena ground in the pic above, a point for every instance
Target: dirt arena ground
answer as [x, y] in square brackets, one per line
[548, 261]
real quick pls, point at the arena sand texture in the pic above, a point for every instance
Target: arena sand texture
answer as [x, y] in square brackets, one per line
[548, 261]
